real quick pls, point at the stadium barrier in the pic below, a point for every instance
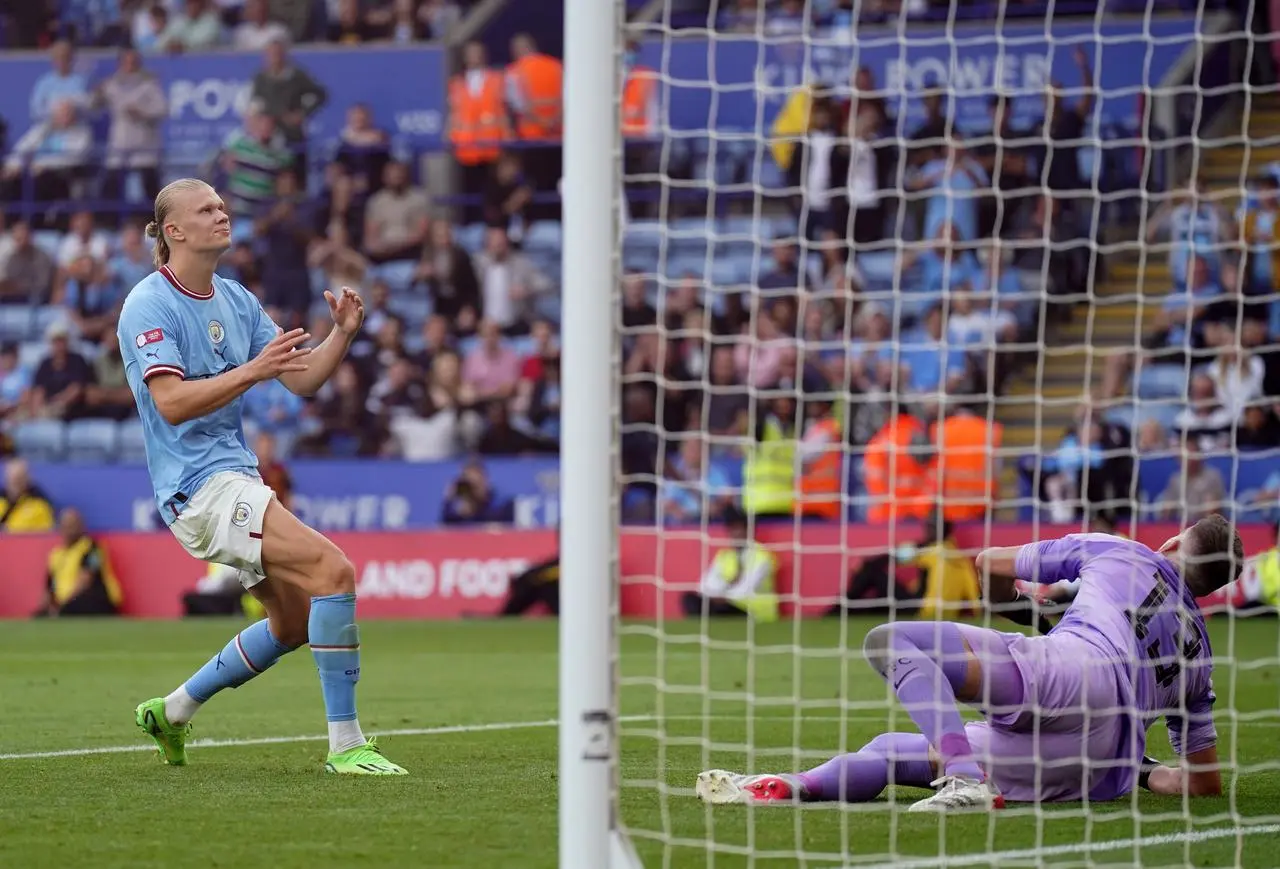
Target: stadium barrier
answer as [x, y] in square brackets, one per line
[452, 574]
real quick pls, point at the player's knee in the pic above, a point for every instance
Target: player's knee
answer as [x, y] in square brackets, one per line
[876, 647]
[336, 574]
[881, 745]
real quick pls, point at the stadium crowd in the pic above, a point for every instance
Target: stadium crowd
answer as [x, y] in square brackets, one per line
[815, 331]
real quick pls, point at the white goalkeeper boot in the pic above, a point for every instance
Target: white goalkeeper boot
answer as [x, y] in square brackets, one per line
[717, 787]
[960, 794]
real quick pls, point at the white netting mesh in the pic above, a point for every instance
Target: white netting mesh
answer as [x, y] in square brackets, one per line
[877, 280]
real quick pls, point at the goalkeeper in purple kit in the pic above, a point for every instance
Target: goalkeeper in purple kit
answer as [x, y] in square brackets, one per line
[1067, 713]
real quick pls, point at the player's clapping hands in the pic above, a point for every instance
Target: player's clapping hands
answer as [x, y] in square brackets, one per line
[347, 310]
[282, 355]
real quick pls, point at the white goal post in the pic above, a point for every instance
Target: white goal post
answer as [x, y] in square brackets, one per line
[1059, 334]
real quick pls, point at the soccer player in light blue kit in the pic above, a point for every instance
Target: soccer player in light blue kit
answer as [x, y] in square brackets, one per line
[1067, 713]
[193, 344]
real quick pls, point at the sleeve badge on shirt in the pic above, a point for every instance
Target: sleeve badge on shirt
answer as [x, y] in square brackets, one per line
[151, 336]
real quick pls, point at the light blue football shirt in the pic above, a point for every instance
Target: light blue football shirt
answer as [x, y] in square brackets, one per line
[165, 328]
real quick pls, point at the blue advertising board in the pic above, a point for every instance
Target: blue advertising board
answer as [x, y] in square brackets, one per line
[208, 93]
[740, 82]
[329, 495]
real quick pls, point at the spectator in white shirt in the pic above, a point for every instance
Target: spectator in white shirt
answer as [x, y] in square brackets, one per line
[509, 283]
[256, 30]
[83, 238]
[1237, 379]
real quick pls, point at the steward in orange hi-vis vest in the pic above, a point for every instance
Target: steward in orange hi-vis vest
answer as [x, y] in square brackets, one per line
[477, 111]
[966, 465]
[896, 471]
[535, 83]
[823, 475]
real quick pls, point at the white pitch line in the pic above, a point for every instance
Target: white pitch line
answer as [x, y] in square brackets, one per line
[493, 727]
[998, 857]
[278, 740]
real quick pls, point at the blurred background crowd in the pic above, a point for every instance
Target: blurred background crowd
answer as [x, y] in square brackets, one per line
[811, 321]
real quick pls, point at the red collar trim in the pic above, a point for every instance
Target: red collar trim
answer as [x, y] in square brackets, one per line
[177, 285]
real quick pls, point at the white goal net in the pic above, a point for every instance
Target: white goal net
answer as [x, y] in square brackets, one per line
[900, 281]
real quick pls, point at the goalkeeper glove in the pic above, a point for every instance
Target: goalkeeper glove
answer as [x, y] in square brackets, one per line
[1144, 771]
[1021, 610]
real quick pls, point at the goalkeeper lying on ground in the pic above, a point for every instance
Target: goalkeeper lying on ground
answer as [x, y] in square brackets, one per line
[1066, 714]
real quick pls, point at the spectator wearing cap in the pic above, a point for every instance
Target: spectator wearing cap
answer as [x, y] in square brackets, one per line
[26, 270]
[289, 94]
[58, 388]
[135, 100]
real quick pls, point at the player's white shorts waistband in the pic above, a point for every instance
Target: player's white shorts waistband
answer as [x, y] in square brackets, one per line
[222, 523]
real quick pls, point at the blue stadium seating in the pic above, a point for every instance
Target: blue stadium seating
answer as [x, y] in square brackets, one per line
[131, 448]
[92, 441]
[41, 439]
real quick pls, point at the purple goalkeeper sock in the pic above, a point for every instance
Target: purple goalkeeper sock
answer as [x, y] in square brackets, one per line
[891, 758]
[925, 662]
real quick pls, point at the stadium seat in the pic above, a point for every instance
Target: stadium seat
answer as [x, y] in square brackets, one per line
[414, 309]
[48, 240]
[398, 275]
[544, 235]
[471, 236]
[1161, 381]
[15, 322]
[92, 441]
[131, 446]
[41, 439]
[45, 316]
[30, 354]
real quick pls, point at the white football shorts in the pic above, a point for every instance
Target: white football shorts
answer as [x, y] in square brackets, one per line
[222, 523]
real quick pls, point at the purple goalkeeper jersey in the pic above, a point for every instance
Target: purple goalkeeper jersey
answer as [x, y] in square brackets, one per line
[1135, 610]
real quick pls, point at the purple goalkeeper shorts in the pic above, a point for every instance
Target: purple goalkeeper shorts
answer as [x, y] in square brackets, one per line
[1071, 737]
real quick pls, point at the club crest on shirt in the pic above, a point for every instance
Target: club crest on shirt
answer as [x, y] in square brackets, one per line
[241, 515]
[216, 332]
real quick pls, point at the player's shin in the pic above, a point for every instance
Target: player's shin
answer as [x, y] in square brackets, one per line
[335, 644]
[248, 654]
[891, 758]
[924, 663]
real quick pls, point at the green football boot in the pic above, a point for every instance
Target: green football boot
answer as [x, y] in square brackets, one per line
[364, 759]
[171, 740]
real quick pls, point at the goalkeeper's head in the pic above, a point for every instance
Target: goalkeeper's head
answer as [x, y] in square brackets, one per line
[1209, 554]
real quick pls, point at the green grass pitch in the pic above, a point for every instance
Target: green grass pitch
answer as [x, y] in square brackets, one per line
[481, 698]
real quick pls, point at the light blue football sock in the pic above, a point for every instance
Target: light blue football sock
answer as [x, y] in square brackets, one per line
[249, 653]
[335, 644]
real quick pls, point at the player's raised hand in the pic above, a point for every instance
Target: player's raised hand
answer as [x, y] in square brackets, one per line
[347, 310]
[282, 355]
